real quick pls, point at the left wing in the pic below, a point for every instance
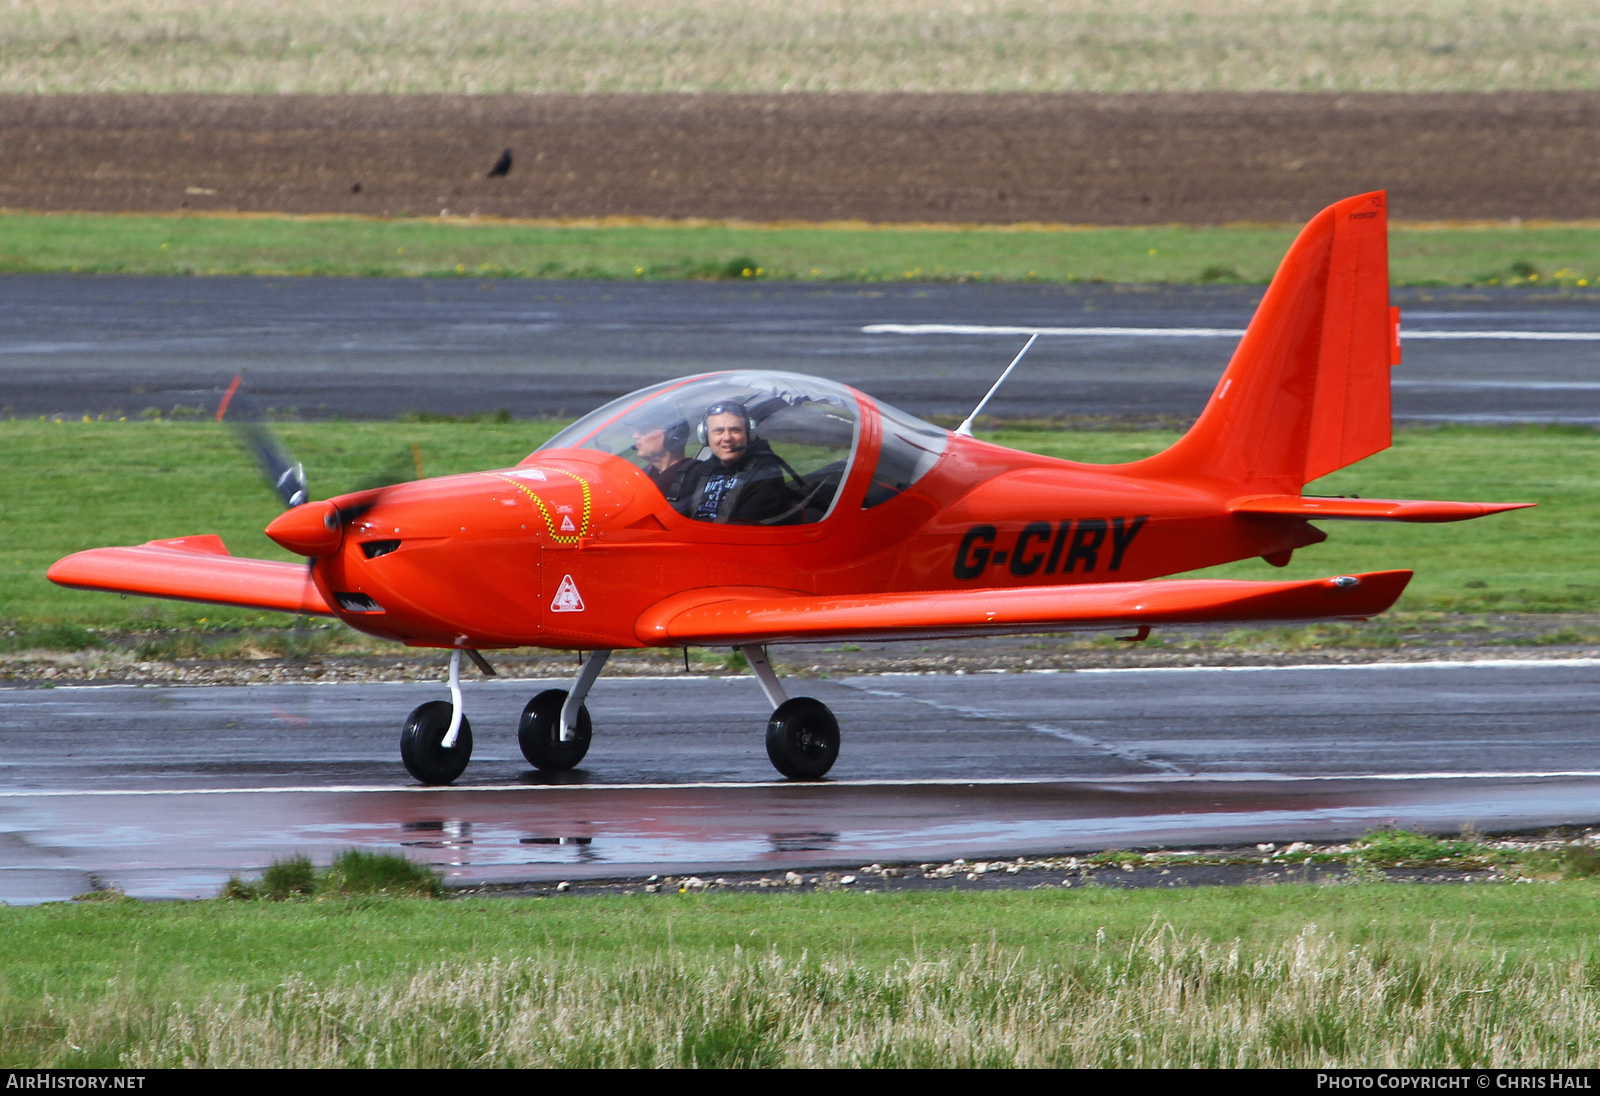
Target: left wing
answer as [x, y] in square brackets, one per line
[730, 616]
[193, 569]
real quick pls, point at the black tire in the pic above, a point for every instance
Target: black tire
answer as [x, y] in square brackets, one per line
[540, 733]
[424, 758]
[803, 738]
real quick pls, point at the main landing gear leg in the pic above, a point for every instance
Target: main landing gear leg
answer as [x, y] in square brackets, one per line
[555, 729]
[436, 743]
[802, 735]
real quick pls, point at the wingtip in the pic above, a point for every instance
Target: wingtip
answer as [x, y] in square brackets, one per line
[1384, 589]
[1438, 512]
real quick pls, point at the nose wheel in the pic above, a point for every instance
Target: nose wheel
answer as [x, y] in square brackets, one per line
[436, 742]
[422, 744]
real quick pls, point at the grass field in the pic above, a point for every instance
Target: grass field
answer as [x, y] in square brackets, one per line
[1369, 975]
[75, 485]
[482, 46]
[1480, 254]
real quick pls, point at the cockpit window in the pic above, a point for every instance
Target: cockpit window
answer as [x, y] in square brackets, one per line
[909, 450]
[742, 448]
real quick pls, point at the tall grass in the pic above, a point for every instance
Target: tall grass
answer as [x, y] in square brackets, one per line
[354, 873]
[481, 46]
[1165, 1000]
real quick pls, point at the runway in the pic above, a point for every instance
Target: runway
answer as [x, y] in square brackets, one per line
[165, 791]
[320, 347]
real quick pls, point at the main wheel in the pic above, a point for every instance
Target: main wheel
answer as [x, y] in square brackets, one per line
[803, 738]
[420, 747]
[540, 732]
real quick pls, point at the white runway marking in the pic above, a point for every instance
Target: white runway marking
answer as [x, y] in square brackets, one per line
[1199, 332]
[932, 782]
[1084, 332]
[1530, 386]
[1421, 664]
[1495, 663]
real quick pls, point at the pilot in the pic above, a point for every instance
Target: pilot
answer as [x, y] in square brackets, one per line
[742, 482]
[661, 449]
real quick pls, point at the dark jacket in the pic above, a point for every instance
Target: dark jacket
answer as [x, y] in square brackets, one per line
[751, 491]
[670, 482]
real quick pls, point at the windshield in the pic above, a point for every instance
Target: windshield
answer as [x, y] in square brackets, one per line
[909, 450]
[744, 448]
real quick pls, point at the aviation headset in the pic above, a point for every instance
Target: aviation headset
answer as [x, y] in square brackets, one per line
[676, 436]
[673, 437]
[726, 407]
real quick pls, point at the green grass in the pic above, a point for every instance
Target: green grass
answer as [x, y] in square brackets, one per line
[1543, 254]
[1368, 974]
[75, 485]
[1401, 847]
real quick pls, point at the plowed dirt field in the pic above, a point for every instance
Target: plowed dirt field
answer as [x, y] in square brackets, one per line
[1110, 159]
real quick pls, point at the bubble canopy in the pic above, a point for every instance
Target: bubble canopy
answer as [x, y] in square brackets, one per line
[803, 435]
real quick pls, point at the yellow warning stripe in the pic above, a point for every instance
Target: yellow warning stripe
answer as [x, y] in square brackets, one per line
[544, 511]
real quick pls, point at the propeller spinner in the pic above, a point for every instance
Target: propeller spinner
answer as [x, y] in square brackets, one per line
[312, 529]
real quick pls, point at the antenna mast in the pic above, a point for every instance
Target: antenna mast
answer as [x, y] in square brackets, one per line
[966, 427]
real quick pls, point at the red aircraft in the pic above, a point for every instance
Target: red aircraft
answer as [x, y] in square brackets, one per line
[754, 507]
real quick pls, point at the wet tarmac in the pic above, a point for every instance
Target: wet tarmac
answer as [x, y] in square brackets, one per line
[375, 348]
[165, 791]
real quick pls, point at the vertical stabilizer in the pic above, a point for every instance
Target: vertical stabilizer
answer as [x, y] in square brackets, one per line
[1307, 390]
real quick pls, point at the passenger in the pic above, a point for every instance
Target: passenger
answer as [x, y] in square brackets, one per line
[742, 483]
[662, 452]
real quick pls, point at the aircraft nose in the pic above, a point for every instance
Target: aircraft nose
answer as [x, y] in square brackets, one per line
[312, 529]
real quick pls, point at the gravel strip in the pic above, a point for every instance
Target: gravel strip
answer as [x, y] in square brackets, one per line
[1437, 637]
[1498, 860]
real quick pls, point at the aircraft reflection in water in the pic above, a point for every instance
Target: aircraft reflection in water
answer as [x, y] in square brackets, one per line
[745, 508]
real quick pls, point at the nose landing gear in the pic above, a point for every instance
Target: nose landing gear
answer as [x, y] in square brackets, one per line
[436, 742]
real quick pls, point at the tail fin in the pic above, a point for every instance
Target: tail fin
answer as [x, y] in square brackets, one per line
[1307, 390]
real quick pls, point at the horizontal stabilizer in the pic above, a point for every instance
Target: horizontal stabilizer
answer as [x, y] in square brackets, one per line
[1351, 509]
[193, 569]
[732, 616]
